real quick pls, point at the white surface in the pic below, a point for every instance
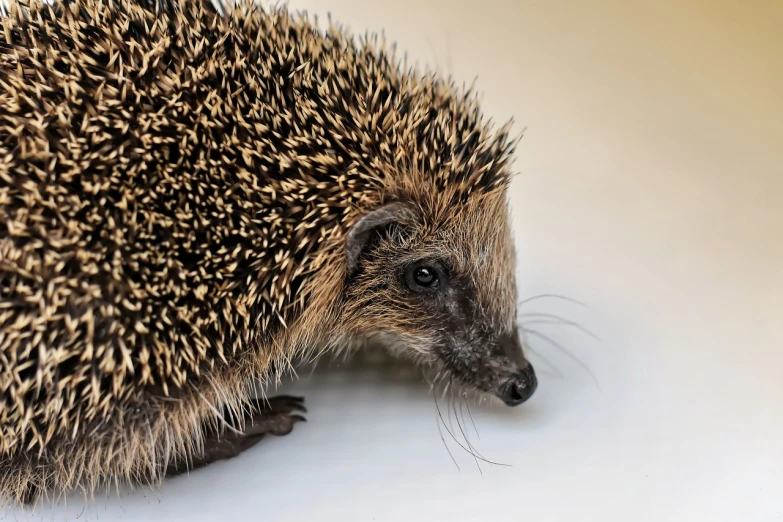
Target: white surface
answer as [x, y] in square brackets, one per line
[651, 188]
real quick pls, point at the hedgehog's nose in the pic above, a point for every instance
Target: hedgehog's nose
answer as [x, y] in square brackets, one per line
[520, 387]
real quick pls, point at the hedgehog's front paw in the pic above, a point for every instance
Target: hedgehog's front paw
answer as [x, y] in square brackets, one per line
[275, 415]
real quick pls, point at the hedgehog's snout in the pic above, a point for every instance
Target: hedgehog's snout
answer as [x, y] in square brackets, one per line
[520, 387]
[520, 381]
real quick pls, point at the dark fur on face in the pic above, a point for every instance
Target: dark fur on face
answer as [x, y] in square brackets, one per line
[442, 292]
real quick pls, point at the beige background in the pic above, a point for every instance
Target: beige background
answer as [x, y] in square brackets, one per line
[651, 188]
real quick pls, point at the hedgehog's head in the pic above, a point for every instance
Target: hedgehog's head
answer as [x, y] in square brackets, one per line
[433, 279]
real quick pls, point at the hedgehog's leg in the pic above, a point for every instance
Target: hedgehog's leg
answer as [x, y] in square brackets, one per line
[275, 416]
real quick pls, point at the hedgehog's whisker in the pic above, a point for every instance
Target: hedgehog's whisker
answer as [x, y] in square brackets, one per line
[461, 411]
[467, 406]
[463, 395]
[446, 389]
[528, 346]
[550, 296]
[568, 354]
[553, 371]
[438, 422]
[561, 320]
[472, 451]
[448, 398]
[461, 445]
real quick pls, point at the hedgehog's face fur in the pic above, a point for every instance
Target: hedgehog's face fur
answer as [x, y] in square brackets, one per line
[439, 288]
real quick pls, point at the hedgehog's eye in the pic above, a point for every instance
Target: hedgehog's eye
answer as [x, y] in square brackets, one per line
[422, 277]
[425, 276]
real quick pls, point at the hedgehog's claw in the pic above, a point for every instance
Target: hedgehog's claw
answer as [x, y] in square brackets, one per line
[275, 415]
[278, 404]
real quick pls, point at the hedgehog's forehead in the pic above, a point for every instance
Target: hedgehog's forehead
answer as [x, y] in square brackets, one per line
[476, 241]
[478, 237]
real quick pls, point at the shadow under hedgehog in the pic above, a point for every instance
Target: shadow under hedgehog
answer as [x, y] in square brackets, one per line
[193, 197]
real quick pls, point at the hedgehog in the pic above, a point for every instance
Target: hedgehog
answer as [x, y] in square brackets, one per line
[196, 196]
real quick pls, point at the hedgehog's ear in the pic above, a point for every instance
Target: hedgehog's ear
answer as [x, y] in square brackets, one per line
[359, 233]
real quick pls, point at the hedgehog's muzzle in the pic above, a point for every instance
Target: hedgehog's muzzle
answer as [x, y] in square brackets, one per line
[521, 381]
